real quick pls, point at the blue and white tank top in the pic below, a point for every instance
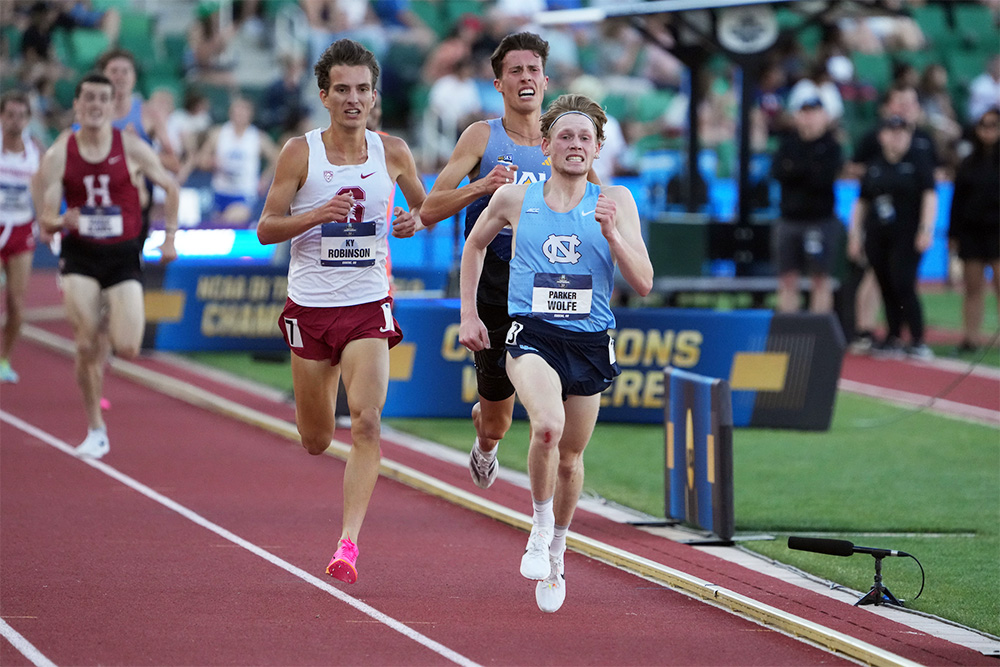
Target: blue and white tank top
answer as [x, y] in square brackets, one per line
[134, 117]
[532, 167]
[342, 262]
[562, 270]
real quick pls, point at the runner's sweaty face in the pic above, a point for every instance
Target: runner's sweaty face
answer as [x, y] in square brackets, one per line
[93, 106]
[572, 144]
[523, 80]
[351, 95]
[15, 117]
[122, 75]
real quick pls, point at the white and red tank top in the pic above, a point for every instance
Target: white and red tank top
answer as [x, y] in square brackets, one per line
[342, 262]
[16, 170]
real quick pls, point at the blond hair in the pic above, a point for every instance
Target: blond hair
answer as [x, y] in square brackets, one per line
[573, 103]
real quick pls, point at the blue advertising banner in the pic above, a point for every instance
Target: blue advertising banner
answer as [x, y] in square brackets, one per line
[433, 375]
[222, 307]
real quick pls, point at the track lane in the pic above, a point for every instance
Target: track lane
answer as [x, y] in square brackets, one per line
[134, 584]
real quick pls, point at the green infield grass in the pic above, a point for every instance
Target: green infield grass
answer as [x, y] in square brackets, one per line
[883, 476]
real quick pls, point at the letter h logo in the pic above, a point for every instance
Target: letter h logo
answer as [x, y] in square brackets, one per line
[93, 191]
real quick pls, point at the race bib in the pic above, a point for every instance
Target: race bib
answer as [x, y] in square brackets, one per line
[557, 296]
[14, 198]
[348, 244]
[101, 222]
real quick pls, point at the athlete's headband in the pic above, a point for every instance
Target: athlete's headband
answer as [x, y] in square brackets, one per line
[566, 113]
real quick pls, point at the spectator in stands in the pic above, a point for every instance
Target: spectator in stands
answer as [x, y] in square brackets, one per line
[984, 90]
[208, 58]
[882, 33]
[83, 14]
[896, 209]
[190, 124]
[233, 153]
[454, 103]
[282, 100]
[456, 47]
[659, 66]
[807, 236]
[818, 83]
[771, 94]
[974, 230]
[402, 24]
[330, 20]
[618, 49]
[942, 121]
[611, 159]
[38, 63]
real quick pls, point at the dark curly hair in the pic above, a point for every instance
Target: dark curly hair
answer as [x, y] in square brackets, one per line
[344, 52]
[521, 41]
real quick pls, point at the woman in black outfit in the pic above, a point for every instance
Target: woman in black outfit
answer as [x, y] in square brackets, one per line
[974, 230]
[896, 209]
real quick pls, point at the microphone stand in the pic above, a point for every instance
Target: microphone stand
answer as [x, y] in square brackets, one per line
[879, 594]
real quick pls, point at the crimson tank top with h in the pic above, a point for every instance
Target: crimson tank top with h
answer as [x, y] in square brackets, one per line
[104, 192]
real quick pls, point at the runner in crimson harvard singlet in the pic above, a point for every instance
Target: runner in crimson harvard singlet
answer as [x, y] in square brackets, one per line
[94, 169]
[330, 198]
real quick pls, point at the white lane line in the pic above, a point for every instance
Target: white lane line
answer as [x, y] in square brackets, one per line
[941, 406]
[194, 517]
[26, 648]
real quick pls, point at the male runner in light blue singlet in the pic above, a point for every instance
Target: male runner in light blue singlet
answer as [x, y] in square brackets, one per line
[491, 153]
[568, 237]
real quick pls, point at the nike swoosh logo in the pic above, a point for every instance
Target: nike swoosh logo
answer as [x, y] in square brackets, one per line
[114, 159]
[366, 175]
[586, 213]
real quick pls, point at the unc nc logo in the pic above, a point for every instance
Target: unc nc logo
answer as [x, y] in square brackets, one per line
[561, 249]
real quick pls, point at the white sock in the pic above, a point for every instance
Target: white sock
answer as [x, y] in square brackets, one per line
[558, 540]
[488, 455]
[542, 514]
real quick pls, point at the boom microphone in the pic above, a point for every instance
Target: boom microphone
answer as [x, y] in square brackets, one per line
[837, 547]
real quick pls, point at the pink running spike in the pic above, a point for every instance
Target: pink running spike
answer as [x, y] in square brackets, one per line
[342, 564]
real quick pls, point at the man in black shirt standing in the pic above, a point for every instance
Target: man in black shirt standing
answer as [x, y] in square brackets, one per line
[807, 163]
[860, 291]
[892, 222]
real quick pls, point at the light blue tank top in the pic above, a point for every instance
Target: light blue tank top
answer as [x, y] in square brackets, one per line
[532, 166]
[134, 116]
[562, 270]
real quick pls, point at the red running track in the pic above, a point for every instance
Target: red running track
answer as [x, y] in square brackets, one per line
[96, 573]
[950, 381]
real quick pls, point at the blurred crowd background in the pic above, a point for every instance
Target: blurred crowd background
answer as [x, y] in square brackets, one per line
[198, 59]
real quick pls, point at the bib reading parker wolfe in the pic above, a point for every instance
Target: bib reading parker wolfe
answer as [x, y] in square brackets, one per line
[348, 244]
[101, 222]
[557, 296]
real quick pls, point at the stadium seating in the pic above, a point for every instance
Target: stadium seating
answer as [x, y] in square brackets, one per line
[137, 32]
[85, 47]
